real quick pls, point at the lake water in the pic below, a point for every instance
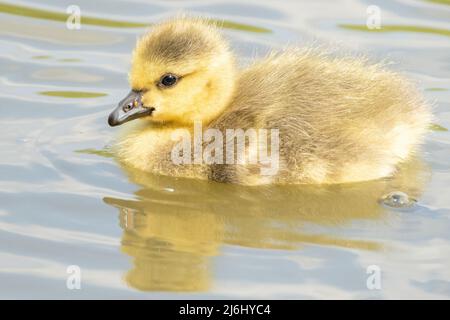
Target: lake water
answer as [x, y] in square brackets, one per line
[65, 202]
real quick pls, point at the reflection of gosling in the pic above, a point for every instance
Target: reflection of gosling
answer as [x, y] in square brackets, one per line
[172, 237]
[339, 119]
[170, 250]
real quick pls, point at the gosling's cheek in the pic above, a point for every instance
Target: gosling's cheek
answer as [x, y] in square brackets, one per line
[150, 100]
[161, 113]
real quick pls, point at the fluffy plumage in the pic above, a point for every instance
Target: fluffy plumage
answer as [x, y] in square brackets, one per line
[340, 119]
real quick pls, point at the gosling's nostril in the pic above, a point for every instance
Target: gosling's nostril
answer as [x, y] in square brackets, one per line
[128, 107]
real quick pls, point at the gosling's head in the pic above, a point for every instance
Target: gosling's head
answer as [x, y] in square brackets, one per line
[182, 71]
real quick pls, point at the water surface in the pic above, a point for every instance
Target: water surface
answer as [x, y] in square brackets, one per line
[65, 201]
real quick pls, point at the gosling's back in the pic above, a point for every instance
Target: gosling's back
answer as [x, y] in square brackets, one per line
[339, 119]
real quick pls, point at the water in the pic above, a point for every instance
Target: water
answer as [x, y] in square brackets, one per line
[64, 201]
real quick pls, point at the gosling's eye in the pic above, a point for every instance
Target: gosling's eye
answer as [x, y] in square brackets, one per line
[168, 80]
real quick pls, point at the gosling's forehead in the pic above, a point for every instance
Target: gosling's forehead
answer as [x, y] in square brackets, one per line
[173, 46]
[178, 41]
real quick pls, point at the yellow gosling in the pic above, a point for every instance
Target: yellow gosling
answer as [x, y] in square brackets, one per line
[340, 119]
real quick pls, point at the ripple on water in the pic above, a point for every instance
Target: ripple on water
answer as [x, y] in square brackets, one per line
[72, 94]
[398, 28]
[38, 13]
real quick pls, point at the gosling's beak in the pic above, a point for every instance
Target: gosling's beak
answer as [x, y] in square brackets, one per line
[129, 108]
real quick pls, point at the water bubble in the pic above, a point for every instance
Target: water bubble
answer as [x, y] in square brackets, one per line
[398, 199]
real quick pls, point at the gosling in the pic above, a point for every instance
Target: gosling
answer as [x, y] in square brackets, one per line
[340, 119]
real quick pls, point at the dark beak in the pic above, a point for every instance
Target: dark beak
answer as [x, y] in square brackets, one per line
[129, 108]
